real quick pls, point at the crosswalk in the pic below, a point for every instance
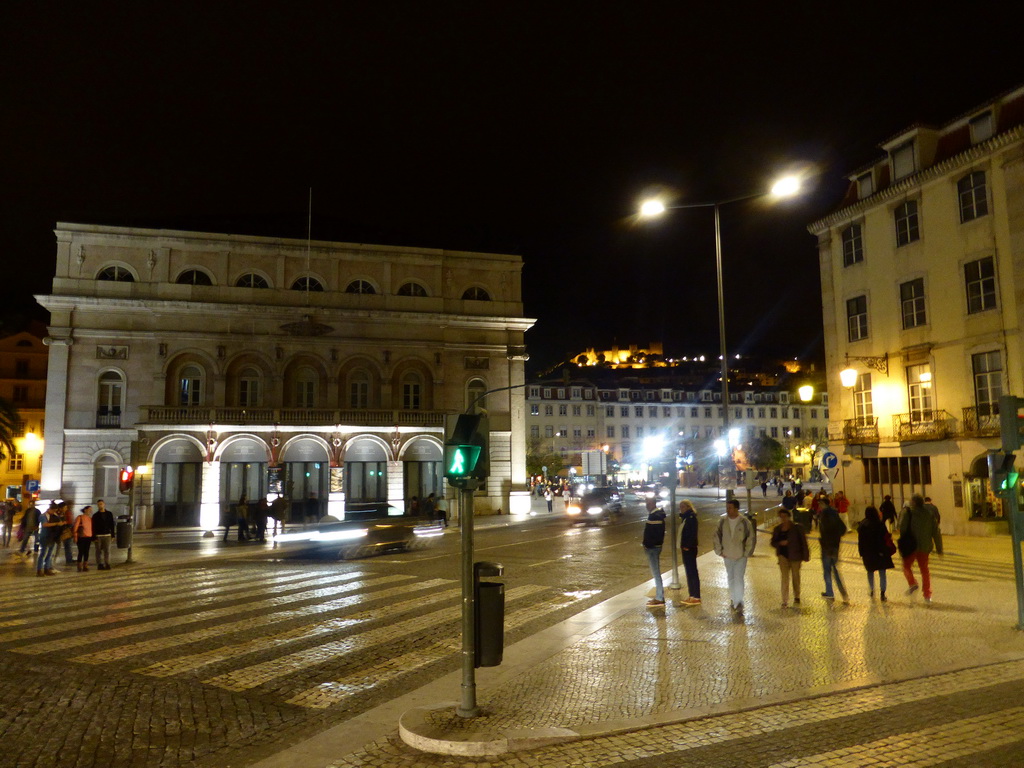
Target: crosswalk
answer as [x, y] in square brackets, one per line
[311, 639]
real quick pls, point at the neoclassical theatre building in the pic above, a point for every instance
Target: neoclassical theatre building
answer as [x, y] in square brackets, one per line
[228, 364]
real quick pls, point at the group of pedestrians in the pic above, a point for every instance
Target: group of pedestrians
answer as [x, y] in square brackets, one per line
[58, 527]
[735, 540]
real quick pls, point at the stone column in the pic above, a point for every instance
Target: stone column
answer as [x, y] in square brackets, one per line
[59, 341]
[519, 489]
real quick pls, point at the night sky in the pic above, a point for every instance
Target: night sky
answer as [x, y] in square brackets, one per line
[529, 128]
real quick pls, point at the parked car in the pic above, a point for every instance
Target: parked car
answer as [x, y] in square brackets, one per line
[598, 505]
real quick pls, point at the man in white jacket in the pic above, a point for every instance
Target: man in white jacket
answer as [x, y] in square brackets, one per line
[734, 543]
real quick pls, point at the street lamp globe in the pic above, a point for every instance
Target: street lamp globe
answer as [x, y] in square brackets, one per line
[650, 208]
[806, 392]
[848, 377]
[787, 186]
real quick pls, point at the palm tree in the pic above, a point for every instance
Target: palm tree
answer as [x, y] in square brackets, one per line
[8, 428]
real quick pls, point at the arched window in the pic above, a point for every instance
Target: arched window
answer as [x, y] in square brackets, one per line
[190, 385]
[116, 274]
[474, 395]
[412, 391]
[307, 284]
[249, 387]
[360, 286]
[110, 399]
[251, 280]
[476, 293]
[305, 385]
[412, 289]
[359, 389]
[194, 277]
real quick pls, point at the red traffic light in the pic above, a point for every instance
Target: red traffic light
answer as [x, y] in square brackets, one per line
[126, 479]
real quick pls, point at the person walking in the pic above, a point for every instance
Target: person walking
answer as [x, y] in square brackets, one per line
[8, 522]
[29, 527]
[52, 524]
[734, 543]
[790, 544]
[764, 488]
[654, 539]
[81, 530]
[888, 512]
[242, 513]
[548, 497]
[102, 533]
[875, 547]
[688, 544]
[919, 528]
[830, 533]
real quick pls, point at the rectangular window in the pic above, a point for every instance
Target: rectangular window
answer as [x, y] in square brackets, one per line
[639, 431]
[591, 410]
[775, 431]
[796, 431]
[865, 186]
[857, 318]
[693, 413]
[549, 410]
[624, 411]
[903, 160]
[534, 391]
[576, 393]
[750, 413]
[971, 191]
[21, 369]
[577, 410]
[863, 409]
[563, 410]
[988, 381]
[638, 411]
[652, 412]
[610, 432]
[561, 394]
[907, 229]
[981, 127]
[666, 412]
[625, 431]
[609, 411]
[535, 410]
[591, 432]
[919, 392]
[707, 413]
[411, 396]
[814, 413]
[980, 280]
[20, 394]
[708, 431]
[16, 463]
[853, 245]
[737, 413]
[912, 303]
[577, 432]
[534, 430]
[760, 413]
[549, 431]
[773, 413]
[796, 412]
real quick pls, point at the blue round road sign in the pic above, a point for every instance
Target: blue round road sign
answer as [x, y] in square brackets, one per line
[829, 460]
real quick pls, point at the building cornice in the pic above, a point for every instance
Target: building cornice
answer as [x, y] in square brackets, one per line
[910, 183]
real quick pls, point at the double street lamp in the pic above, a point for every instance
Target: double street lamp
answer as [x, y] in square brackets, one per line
[784, 187]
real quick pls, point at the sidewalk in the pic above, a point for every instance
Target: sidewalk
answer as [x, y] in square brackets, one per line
[619, 667]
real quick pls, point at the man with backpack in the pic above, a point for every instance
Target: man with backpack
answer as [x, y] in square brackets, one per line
[734, 543]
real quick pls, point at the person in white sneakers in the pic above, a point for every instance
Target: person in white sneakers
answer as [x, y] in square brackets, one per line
[734, 543]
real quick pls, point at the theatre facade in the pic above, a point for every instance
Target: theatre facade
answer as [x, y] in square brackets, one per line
[227, 365]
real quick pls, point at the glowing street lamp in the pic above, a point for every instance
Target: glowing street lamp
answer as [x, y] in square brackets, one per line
[806, 392]
[785, 187]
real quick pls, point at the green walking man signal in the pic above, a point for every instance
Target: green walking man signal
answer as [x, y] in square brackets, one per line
[465, 450]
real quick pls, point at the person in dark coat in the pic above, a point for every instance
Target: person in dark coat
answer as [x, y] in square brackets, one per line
[790, 544]
[872, 543]
[830, 533]
[654, 538]
[888, 512]
[688, 543]
[260, 517]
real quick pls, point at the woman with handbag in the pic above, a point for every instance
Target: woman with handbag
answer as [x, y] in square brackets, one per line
[876, 549]
[790, 544]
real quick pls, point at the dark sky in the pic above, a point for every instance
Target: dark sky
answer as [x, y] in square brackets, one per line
[531, 128]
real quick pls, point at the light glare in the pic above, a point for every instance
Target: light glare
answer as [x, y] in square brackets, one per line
[651, 208]
[787, 186]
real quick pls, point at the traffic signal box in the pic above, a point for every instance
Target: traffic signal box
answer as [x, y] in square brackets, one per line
[126, 479]
[465, 450]
[1003, 475]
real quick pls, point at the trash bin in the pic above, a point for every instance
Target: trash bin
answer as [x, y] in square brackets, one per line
[123, 533]
[803, 516]
[490, 615]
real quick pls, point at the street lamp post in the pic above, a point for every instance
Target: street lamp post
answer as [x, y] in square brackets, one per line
[784, 187]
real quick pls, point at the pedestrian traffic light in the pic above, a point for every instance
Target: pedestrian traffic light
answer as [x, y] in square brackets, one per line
[126, 480]
[1003, 476]
[465, 450]
[1011, 422]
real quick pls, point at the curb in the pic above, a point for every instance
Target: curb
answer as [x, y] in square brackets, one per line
[436, 729]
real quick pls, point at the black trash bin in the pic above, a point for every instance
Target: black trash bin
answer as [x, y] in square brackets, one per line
[489, 614]
[123, 533]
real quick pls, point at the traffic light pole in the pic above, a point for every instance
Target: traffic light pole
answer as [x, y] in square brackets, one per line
[1017, 536]
[468, 707]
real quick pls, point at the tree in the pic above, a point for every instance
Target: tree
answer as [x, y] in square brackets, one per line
[764, 452]
[8, 428]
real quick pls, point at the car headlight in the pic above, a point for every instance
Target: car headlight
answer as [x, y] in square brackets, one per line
[595, 510]
[572, 509]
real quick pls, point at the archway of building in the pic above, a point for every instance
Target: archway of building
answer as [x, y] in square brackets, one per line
[366, 475]
[243, 472]
[304, 474]
[421, 469]
[177, 483]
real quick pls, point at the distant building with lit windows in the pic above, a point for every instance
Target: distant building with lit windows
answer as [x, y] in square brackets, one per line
[922, 273]
[23, 384]
[230, 364]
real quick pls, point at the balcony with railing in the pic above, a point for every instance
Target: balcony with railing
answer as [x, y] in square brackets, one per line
[922, 425]
[981, 421]
[108, 418]
[860, 430]
[196, 414]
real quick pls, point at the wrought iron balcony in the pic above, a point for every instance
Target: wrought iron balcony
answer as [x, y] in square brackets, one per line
[981, 421]
[860, 430]
[922, 425]
[105, 419]
[196, 414]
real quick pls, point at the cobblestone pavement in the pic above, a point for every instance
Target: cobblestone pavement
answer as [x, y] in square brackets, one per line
[869, 683]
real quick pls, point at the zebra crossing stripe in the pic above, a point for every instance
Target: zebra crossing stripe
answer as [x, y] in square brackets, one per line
[258, 674]
[122, 632]
[190, 662]
[147, 595]
[331, 693]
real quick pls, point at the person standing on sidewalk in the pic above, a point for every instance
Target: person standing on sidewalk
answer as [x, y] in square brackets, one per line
[103, 532]
[888, 512]
[8, 521]
[734, 543]
[873, 544]
[81, 529]
[790, 544]
[29, 527]
[654, 538]
[830, 532]
[688, 543]
[921, 524]
[53, 523]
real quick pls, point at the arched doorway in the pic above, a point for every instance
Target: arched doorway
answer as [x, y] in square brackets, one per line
[243, 470]
[177, 484]
[421, 469]
[366, 474]
[306, 477]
